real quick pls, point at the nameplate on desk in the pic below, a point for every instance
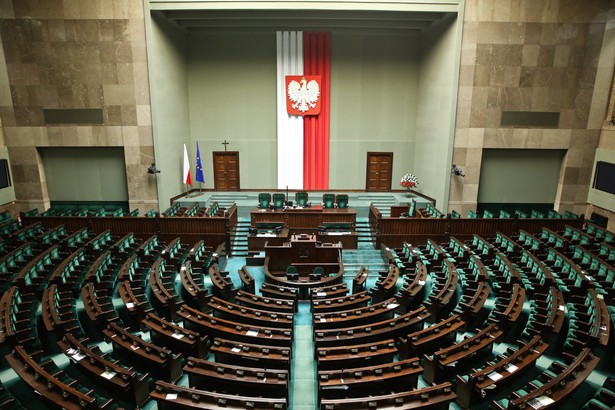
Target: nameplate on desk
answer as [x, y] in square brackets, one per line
[338, 233]
[108, 374]
[266, 235]
[252, 333]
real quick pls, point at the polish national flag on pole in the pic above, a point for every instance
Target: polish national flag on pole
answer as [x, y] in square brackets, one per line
[187, 175]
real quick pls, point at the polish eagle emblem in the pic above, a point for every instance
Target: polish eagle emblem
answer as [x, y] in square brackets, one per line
[303, 94]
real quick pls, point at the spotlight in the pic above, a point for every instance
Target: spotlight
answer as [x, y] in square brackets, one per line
[152, 169]
[457, 171]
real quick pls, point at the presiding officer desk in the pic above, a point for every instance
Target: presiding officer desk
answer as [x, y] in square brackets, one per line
[304, 255]
[300, 220]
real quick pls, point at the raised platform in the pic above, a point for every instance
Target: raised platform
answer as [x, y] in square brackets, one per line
[360, 201]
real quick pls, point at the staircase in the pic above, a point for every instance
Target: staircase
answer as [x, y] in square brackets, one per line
[226, 200]
[366, 237]
[382, 201]
[239, 238]
[366, 256]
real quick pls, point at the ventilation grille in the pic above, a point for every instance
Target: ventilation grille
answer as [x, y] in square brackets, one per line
[529, 119]
[73, 116]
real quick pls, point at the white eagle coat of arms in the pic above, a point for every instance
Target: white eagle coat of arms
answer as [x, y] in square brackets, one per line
[303, 94]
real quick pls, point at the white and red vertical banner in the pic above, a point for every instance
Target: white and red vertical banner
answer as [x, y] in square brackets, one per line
[303, 67]
[290, 127]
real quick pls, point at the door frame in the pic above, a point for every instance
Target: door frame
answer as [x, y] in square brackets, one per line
[390, 176]
[220, 153]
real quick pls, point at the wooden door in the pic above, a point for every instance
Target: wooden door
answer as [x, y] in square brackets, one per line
[379, 171]
[226, 171]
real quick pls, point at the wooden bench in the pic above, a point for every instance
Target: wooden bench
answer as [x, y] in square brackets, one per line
[328, 292]
[388, 329]
[110, 374]
[247, 281]
[162, 288]
[165, 333]
[51, 383]
[17, 326]
[384, 287]
[410, 296]
[440, 301]
[489, 379]
[265, 303]
[450, 360]
[376, 379]
[58, 311]
[348, 302]
[145, 355]
[431, 397]
[194, 292]
[554, 384]
[98, 305]
[233, 379]
[251, 354]
[221, 328]
[279, 292]
[354, 317]
[169, 396]
[244, 314]
[358, 282]
[431, 338]
[345, 357]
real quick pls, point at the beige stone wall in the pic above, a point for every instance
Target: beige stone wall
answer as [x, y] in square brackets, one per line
[528, 55]
[75, 54]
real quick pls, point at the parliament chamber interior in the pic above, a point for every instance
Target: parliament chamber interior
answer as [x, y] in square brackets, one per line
[353, 205]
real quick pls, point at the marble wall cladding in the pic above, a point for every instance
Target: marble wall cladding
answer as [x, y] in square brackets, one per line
[75, 54]
[526, 55]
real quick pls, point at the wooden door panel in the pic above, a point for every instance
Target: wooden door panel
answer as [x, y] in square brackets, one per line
[379, 171]
[226, 171]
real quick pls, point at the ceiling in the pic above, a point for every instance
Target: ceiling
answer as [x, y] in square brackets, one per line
[305, 20]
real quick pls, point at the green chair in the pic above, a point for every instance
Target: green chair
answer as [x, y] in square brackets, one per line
[292, 273]
[318, 273]
[342, 201]
[301, 198]
[264, 199]
[279, 200]
[328, 201]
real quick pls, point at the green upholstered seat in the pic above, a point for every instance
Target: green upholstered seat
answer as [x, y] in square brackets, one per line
[264, 199]
[279, 200]
[328, 201]
[342, 201]
[301, 198]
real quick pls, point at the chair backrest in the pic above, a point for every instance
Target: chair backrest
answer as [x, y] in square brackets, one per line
[342, 200]
[328, 200]
[264, 199]
[412, 208]
[279, 200]
[301, 198]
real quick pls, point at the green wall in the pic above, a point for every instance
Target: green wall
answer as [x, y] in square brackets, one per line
[169, 94]
[390, 92]
[232, 96]
[436, 111]
[7, 194]
[85, 174]
[519, 175]
[374, 83]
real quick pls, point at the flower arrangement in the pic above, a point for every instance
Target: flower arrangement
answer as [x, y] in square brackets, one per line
[409, 181]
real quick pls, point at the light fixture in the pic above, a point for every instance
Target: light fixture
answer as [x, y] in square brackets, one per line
[455, 170]
[152, 169]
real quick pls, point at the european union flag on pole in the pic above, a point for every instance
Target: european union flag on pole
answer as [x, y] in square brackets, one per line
[199, 167]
